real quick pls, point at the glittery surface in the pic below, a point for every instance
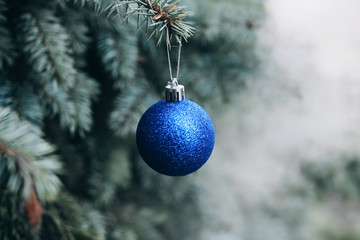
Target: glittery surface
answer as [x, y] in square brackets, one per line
[175, 138]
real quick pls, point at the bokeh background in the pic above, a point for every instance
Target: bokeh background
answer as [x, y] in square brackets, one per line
[286, 161]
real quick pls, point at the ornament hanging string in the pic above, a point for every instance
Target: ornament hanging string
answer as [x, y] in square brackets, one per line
[178, 61]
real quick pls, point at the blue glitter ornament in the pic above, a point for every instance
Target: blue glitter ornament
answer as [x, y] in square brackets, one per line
[175, 136]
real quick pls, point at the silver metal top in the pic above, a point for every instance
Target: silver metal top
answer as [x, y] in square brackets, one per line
[174, 92]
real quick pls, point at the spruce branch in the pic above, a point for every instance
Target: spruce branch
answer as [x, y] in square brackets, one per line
[46, 47]
[14, 221]
[130, 105]
[64, 91]
[21, 98]
[57, 101]
[93, 222]
[84, 92]
[164, 17]
[6, 90]
[61, 218]
[109, 176]
[26, 160]
[7, 48]
[65, 218]
[118, 52]
[77, 30]
[73, 107]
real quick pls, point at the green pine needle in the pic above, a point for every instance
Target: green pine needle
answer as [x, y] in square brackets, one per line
[26, 160]
[159, 14]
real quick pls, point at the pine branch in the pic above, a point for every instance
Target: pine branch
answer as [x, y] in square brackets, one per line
[117, 48]
[78, 31]
[26, 159]
[46, 47]
[162, 18]
[98, 5]
[84, 92]
[57, 101]
[21, 97]
[73, 107]
[122, 232]
[130, 105]
[93, 222]
[6, 89]
[62, 218]
[13, 220]
[28, 105]
[65, 218]
[7, 48]
[107, 177]
[65, 91]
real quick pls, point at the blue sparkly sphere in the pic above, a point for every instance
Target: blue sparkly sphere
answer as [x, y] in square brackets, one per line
[175, 138]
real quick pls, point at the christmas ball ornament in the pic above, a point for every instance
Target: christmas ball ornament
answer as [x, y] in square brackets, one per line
[175, 136]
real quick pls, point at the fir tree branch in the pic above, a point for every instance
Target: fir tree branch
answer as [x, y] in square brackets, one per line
[164, 17]
[28, 104]
[107, 177]
[65, 218]
[84, 92]
[65, 91]
[46, 47]
[73, 107]
[13, 221]
[57, 101]
[6, 90]
[130, 105]
[118, 52]
[77, 29]
[93, 222]
[26, 159]
[7, 48]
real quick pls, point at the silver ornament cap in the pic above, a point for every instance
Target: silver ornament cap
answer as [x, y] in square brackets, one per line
[174, 92]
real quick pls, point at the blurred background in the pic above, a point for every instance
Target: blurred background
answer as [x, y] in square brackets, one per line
[287, 152]
[278, 77]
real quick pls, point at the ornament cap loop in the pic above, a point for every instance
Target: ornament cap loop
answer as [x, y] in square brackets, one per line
[174, 92]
